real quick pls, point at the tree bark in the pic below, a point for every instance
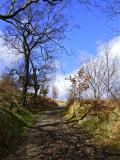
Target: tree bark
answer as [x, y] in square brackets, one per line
[36, 86]
[26, 80]
[35, 80]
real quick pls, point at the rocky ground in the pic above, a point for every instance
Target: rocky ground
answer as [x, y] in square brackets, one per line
[52, 139]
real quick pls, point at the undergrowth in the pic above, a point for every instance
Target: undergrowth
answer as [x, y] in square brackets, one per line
[12, 126]
[99, 119]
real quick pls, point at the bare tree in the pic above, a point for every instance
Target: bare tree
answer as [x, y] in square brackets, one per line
[54, 92]
[110, 8]
[111, 65]
[36, 29]
[34, 79]
[102, 71]
[44, 86]
[95, 69]
[112, 75]
[40, 72]
[10, 8]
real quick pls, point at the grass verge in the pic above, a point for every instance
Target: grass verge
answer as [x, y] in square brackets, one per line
[100, 120]
[12, 126]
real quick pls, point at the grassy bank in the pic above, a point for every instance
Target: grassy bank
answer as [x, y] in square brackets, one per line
[16, 119]
[12, 126]
[99, 118]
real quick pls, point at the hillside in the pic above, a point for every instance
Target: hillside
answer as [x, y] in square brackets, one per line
[51, 137]
[52, 128]
[15, 119]
[100, 118]
[91, 128]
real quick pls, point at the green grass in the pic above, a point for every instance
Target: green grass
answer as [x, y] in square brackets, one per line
[76, 110]
[12, 126]
[23, 114]
[61, 103]
[104, 125]
[15, 119]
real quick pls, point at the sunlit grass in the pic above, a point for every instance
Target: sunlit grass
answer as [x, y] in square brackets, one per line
[102, 123]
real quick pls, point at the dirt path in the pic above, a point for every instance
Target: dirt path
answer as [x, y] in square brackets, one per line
[50, 139]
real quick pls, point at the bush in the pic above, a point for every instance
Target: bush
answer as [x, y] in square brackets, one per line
[8, 92]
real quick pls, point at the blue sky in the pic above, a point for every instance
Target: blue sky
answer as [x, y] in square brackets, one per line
[94, 29]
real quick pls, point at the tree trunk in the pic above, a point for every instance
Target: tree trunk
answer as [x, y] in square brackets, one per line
[35, 80]
[36, 92]
[36, 88]
[26, 81]
[95, 94]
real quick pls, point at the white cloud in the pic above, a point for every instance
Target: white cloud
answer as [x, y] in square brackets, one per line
[114, 46]
[84, 56]
[63, 85]
[6, 56]
[57, 64]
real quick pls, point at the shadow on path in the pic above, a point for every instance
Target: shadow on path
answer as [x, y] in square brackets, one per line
[51, 139]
